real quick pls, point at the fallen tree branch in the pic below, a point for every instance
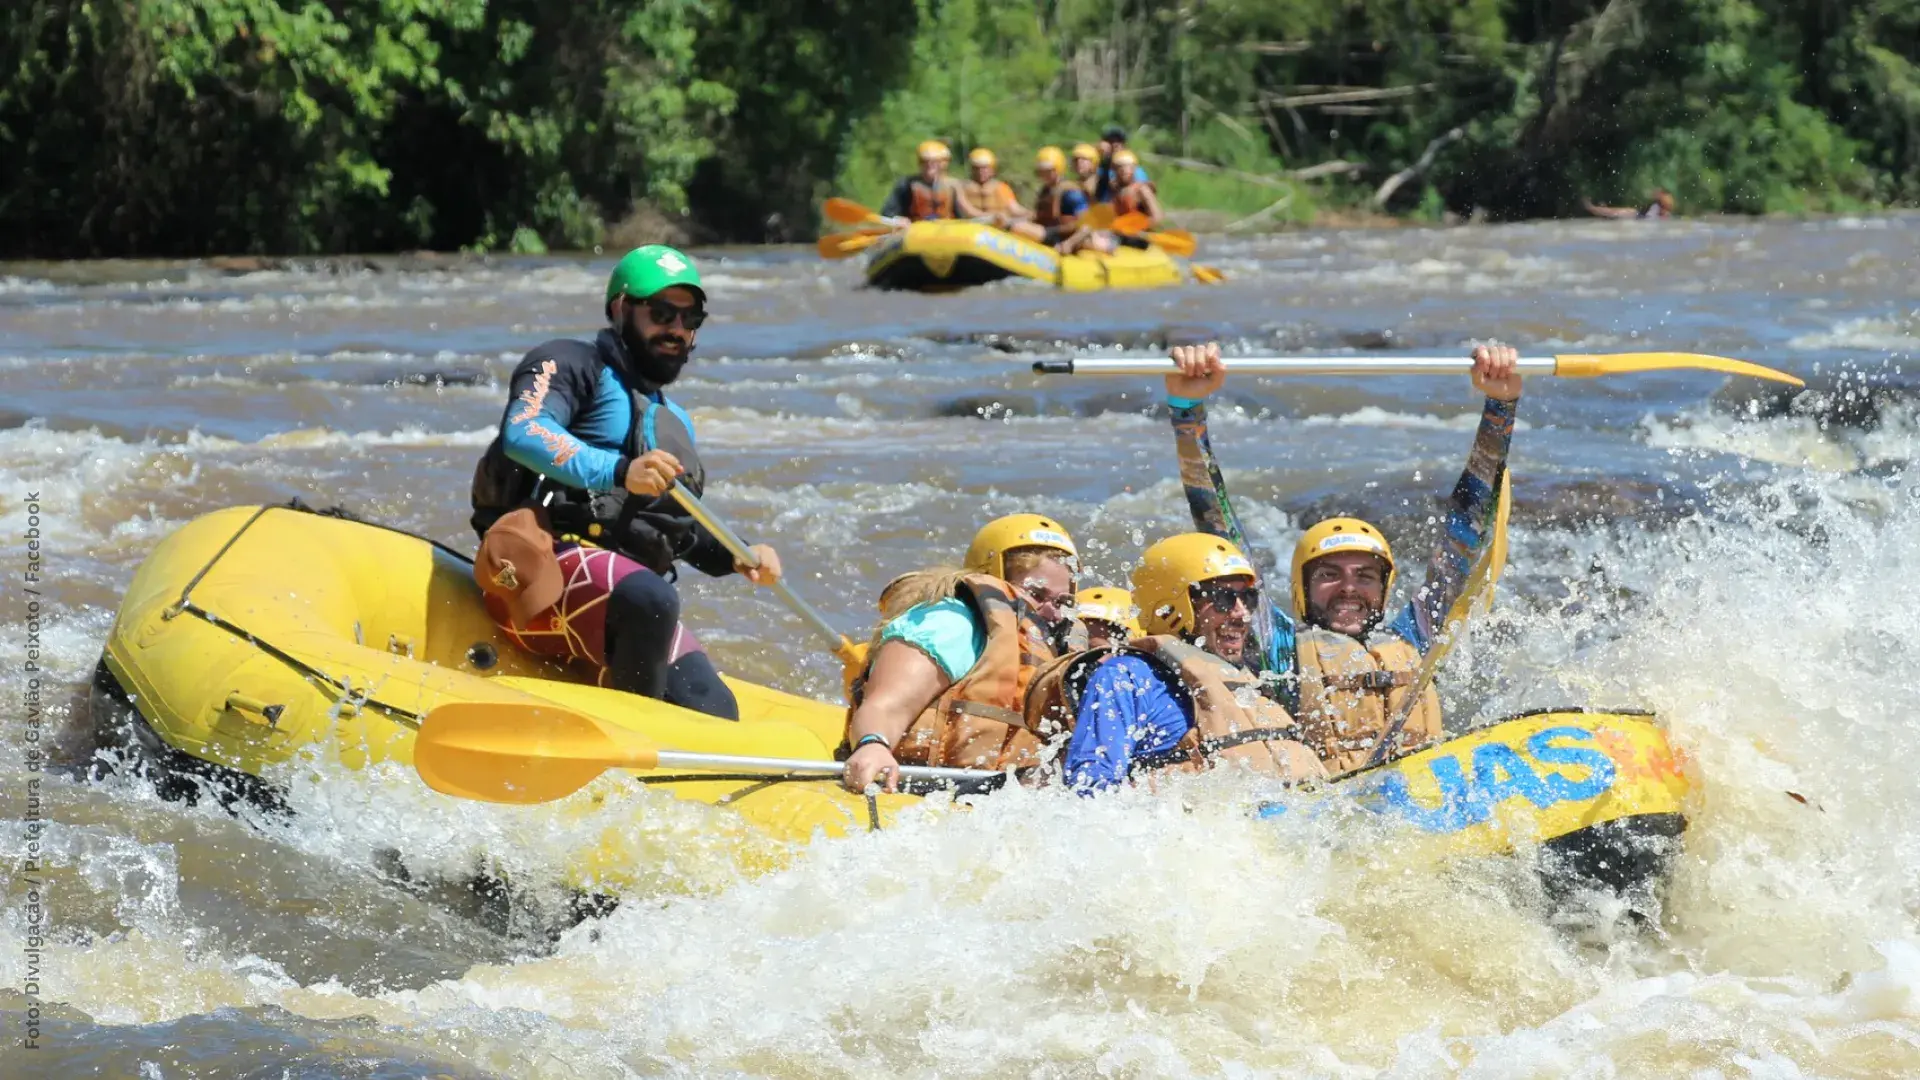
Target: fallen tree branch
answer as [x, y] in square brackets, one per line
[1342, 97]
[1311, 172]
[1420, 165]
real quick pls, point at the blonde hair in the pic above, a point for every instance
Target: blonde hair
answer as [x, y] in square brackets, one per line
[1021, 561]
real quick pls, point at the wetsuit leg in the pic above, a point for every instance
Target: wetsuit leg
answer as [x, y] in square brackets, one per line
[643, 613]
[1135, 242]
[692, 683]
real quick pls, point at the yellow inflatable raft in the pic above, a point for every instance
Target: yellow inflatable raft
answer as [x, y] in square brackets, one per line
[941, 256]
[253, 634]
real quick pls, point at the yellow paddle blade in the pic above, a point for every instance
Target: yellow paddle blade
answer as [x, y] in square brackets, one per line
[1207, 275]
[847, 245]
[507, 752]
[1173, 241]
[1128, 224]
[848, 212]
[1585, 366]
[1098, 216]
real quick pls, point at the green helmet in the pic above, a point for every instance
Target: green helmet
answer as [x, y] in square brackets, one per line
[647, 270]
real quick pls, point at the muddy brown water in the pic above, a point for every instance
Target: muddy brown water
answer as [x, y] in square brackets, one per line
[1746, 563]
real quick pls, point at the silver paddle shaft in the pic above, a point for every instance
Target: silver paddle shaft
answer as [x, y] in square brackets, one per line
[814, 620]
[677, 759]
[1295, 365]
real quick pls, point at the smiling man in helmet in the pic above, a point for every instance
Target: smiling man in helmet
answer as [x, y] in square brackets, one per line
[949, 667]
[579, 537]
[930, 194]
[1180, 697]
[1335, 660]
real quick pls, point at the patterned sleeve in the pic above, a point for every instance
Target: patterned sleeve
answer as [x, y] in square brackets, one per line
[1200, 475]
[1213, 513]
[1468, 527]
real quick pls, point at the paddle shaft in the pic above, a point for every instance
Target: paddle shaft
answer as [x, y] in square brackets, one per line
[1290, 365]
[923, 774]
[739, 550]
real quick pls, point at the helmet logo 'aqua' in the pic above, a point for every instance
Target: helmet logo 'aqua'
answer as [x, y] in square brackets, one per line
[671, 262]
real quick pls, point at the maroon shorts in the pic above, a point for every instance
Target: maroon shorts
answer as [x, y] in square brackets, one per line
[576, 627]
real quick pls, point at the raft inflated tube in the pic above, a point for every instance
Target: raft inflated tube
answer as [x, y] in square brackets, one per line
[252, 635]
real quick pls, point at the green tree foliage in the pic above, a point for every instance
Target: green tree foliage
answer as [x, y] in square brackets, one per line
[188, 126]
[174, 126]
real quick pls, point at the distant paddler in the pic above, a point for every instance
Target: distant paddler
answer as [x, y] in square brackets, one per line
[1659, 207]
[579, 535]
[1086, 169]
[1059, 203]
[1133, 194]
[990, 194]
[955, 651]
[930, 194]
[1334, 660]
[1106, 182]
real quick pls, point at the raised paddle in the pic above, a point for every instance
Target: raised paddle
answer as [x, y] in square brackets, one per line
[848, 212]
[1576, 366]
[848, 244]
[509, 752]
[849, 653]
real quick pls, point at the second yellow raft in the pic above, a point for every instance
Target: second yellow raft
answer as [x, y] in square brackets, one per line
[941, 256]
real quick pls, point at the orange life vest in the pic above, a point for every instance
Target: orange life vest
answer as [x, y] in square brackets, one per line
[1350, 692]
[1046, 208]
[931, 203]
[992, 197]
[1130, 199]
[1232, 721]
[977, 722]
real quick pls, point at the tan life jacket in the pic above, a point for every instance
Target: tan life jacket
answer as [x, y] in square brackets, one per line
[1350, 692]
[977, 722]
[992, 197]
[1232, 720]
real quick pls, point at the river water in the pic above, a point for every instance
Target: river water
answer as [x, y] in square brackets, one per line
[1746, 565]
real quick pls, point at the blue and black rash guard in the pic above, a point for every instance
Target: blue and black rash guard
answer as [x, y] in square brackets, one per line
[1467, 529]
[575, 420]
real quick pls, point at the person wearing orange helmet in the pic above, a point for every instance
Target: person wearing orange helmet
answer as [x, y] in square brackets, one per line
[930, 194]
[949, 666]
[1334, 659]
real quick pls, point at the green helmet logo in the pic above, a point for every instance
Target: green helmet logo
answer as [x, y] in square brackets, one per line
[647, 270]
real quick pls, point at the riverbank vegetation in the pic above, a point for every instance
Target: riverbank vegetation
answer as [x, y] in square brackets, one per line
[175, 127]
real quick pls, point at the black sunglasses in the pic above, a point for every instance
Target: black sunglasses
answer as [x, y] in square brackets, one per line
[1223, 597]
[663, 312]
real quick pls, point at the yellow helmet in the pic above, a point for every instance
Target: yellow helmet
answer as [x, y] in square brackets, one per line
[1050, 157]
[1086, 150]
[1125, 157]
[1110, 605]
[987, 553]
[983, 156]
[1331, 537]
[935, 149]
[1170, 568]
